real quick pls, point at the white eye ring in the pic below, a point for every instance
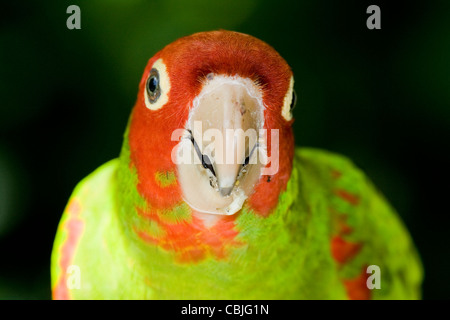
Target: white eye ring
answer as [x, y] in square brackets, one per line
[163, 86]
[286, 112]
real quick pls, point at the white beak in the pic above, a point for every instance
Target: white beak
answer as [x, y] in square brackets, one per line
[224, 125]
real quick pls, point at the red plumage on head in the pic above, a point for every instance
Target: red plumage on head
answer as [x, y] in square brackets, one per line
[188, 60]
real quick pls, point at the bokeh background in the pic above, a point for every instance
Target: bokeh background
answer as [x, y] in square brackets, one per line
[380, 97]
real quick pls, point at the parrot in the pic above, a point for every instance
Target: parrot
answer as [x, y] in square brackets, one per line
[210, 198]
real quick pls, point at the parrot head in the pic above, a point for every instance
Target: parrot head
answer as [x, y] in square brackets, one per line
[211, 126]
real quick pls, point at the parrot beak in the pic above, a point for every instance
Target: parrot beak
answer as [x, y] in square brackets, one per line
[225, 110]
[224, 126]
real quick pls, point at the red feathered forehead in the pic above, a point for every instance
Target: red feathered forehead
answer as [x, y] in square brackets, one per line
[190, 59]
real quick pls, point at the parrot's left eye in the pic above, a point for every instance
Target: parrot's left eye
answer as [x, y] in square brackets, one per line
[153, 89]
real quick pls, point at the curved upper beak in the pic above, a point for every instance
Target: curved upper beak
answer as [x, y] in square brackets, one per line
[226, 120]
[223, 127]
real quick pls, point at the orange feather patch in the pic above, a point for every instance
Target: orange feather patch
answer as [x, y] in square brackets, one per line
[74, 228]
[192, 241]
[357, 287]
[347, 196]
[342, 250]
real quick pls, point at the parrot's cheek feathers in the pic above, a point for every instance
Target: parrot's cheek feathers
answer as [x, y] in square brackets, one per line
[220, 158]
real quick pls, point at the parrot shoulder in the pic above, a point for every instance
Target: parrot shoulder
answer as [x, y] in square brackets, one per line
[365, 230]
[91, 198]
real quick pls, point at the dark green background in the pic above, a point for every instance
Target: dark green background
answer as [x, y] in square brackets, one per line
[380, 97]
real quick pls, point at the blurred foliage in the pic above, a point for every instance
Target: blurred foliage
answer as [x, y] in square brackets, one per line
[380, 97]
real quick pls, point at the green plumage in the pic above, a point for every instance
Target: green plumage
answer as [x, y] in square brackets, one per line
[287, 255]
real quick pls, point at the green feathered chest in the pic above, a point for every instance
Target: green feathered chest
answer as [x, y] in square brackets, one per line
[329, 225]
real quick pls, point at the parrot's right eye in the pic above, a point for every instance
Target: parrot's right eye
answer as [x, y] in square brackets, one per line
[153, 89]
[157, 86]
[294, 100]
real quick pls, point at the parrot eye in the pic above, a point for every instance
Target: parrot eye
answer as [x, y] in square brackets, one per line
[153, 90]
[294, 100]
[157, 86]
